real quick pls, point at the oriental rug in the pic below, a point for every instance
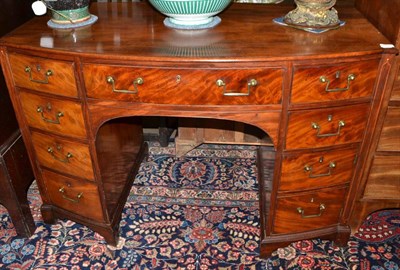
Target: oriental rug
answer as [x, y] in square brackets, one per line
[187, 213]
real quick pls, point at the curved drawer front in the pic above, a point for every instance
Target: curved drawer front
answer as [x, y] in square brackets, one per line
[44, 75]
[336, 82]
[63, 155]
[61, 117]
[79, 197]
[185, 86]
[316, 170]
[325, 127]
[299, 213]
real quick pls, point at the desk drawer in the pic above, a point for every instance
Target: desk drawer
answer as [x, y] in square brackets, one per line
[336, 82]
[316, 170]
[76, 196]
[61, 117]
[309, 211]
[325, 127]
[184, 86]
[63, 155]
[44, 75]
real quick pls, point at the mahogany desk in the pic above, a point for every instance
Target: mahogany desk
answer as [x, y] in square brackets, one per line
[80, 97]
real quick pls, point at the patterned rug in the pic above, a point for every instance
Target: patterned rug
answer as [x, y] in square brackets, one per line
[187, 213]
[214, 175]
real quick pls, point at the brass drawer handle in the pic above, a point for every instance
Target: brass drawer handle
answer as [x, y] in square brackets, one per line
[309, 169]
[251, 83]
[48, 107]
[136, 82]
[321, 210]
[64, 160]
[78, 197]
[48, 73]
[350, 78]
[341, 124]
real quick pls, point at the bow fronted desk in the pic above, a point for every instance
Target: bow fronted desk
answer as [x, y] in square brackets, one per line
[81, 96]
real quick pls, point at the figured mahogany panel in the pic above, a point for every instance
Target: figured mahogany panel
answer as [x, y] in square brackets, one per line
[384, 178]
[77, 196]
[184, 86]
[320, 209]
[63, 155]
[335, 82]
[267, 120]
[314, 170]
[325, 127]
[119, 153]
[44, 75]
[390, 136]
[59, 116]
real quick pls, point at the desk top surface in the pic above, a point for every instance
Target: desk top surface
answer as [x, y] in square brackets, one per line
[135, 31]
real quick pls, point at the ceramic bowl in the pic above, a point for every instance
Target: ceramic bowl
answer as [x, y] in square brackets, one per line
[190, 13]
[68, 11]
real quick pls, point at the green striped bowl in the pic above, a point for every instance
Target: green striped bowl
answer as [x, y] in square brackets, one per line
[71, 15]
[190, 12]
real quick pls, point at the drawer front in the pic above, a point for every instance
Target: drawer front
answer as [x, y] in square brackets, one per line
[77, 196]
[390, 136]
[44, 75]
[61, 117]
[336, 82]
[63, 155]
[317, 170]
[184, 86]
[310, 211]
[325, 127]
[384, 178]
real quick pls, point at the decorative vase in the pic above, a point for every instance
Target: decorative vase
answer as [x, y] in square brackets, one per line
[313, 14]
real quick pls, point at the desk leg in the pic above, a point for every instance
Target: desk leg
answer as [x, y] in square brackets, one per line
[164, 132]
[47, 214]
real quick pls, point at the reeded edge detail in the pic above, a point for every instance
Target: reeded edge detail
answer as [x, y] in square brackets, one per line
[215, 21]
[91, 20]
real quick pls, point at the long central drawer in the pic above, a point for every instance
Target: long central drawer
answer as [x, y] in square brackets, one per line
[256, 86]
